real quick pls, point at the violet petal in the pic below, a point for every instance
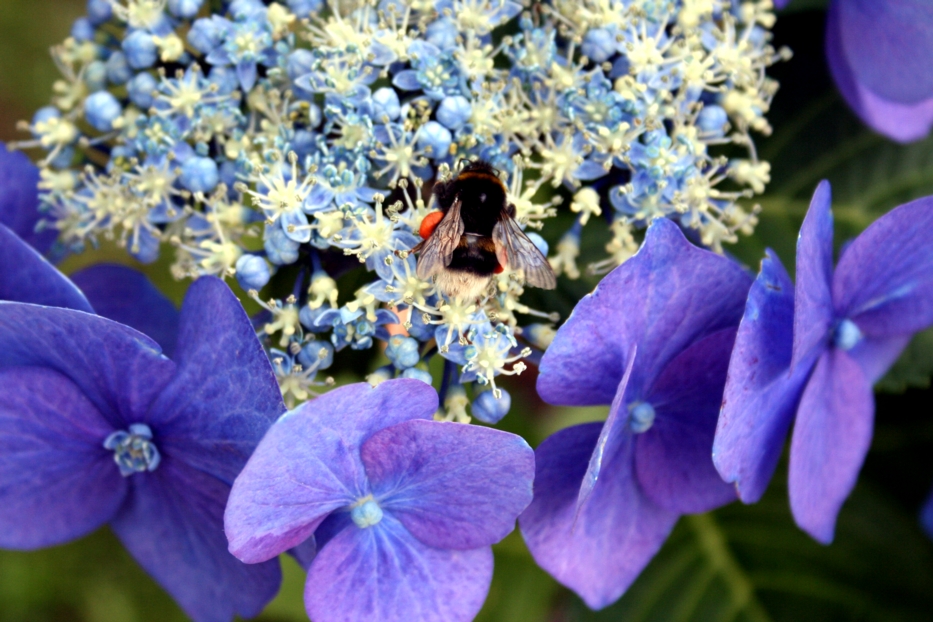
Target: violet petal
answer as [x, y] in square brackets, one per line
[172, 524]
[25, 276]
[384, 573]
[56, 479]
[599, 552]
[673, 459]
[118, 369]
[224, 395]
[127, 296]
[452, 486]
[813, 303]
[667, 296]
[830, 440]
[760, 396]
[884, 280]
[19, 199]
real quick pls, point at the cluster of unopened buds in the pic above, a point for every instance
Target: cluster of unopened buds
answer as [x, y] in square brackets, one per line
[248, 136]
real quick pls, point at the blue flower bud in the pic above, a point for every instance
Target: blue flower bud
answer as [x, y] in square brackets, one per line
[43, 115]
[99, 11]
[252, 272]
[118, 70]
[641, 417]
[599, 44]
[417, 374]
[454, 111]
[199, 174]
[538, 241]
[299, 63]
[712, 120]
[320, 353]
[386, 104]
[145, 248]
[140, 90]
[185, 9]
[847, 335]
[304, 8]
[280, 250]
[140, 50]
[101, 109]
[82, 29]
[95, 76]
[206, 34]
[403, 351]
[489, 409]
[443, 33]
[435, 139]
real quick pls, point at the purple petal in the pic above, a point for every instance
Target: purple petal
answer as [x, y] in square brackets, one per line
[127, 296]
[452, 486]
[224, 396]
[830, 441]
[673, 459]
[600, 551]
[889, 46]
[57, 481]
[898, 121]
[926, 516]
[172, 524]
[780, 4]
[25, 276]
[384, 573]
[760, 396]
[667, 296]
[118, 369]
[813, 303]
[19, 199]
[308, 464]
[876, 356]
[884, 281]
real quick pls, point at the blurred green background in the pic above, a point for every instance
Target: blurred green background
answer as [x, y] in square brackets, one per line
[739, 563]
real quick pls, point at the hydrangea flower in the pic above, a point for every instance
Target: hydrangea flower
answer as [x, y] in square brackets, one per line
[111, 431]
[653, 340]
[880, 55]
[404, 509]
[26, 276]
[809, 353]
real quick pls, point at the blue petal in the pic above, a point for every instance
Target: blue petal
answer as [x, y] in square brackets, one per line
[813, 303]
[172, 524]
[118, 369]
[760, 395]
[126, 296]
[19, 199]
[406, 80]
[383, 573]
[246, 73]
[224, 396]
[25, 276]
[295, 226]
[58, 481]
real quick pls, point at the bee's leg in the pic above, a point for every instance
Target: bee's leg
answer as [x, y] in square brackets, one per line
[510, 210]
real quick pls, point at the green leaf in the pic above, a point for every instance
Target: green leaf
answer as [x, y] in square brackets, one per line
[751, 563]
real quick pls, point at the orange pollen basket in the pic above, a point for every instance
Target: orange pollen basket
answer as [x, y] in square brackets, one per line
[429, 224]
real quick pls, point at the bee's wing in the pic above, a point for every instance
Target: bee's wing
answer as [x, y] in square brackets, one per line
[515, 251]
[438, 249]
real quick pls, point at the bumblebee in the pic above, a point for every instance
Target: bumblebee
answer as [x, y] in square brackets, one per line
[474, 236]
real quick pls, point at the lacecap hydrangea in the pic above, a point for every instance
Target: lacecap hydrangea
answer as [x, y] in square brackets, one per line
[248, 136]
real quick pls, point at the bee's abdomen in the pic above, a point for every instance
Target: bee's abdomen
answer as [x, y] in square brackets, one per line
[475, 254]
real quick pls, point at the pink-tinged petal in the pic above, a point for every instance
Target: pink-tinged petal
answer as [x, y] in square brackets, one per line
[224, 396]
[309, 464]
[813, 302]
[667, 296]
[172, 523]
[452, 486]
[899, 121]
[127, 296]
[118, 369]
[673, 459]
[25, 276]
[19, 199]
[889, 46]
[830, 440]
[57, 482]
[384, 573]
[760, 396]
[599, 551]
[884, 281]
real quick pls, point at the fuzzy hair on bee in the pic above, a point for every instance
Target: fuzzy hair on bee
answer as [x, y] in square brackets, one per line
[476, 236]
